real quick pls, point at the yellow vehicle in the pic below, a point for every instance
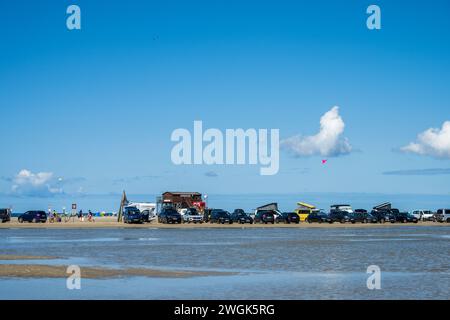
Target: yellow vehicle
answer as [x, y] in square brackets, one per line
[303, 210]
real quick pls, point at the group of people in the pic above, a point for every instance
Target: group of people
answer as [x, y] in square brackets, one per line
[53, 216]
[90, 216]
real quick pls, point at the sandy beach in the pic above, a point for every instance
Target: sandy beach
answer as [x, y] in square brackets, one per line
[111, 222]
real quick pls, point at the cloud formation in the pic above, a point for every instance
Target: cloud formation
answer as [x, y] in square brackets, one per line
[418, 172]
[42, 184]
[433, 142]
[211, 174]
[328, 142]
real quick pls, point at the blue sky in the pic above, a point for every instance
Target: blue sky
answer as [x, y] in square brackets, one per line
[96, 107]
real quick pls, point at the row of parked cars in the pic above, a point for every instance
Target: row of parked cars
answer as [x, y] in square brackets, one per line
[170, 215]
[272, 216]
[264, 216]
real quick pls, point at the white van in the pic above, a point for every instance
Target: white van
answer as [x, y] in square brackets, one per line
[443, 215]
[424, 215]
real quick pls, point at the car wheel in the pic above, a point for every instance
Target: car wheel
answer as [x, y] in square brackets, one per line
[20, 220]
[309, 221]
[365, 221]
[404, 221]
[448, 220]
[382, 220]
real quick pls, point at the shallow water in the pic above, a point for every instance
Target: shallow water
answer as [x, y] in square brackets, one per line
[272, 263]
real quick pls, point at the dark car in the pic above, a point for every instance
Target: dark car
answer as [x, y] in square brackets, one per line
[5, 215]
[241, 217]
[362, 216]
[319, 217]
[33, 216]
[132, 215]
[145, 215]
[402, 217]
[169, 215]
[380, 216]
[288, 217]
[265, 216]
[339, 216]
[220, 216]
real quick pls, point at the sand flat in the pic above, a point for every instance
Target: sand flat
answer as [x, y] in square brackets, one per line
[9, 257]
[48, 271]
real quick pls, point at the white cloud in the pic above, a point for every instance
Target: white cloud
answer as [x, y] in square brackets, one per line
[328, 142]
[40, 184]
[433, 142]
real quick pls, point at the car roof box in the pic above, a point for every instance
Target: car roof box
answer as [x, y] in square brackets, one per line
[383, 206]
[270, 206]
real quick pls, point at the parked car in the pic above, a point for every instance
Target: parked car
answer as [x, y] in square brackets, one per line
[288, 217]
[169, 215]
[424, 215]
[132, 215]
[239, 216]
[340, 216]
[319, 217]
[341, 208]
[34, 216]
[192, 215]
[145, 215]
[265, 216]
[443, 215]
[402, 217]
[220, 216]
[5, 215]
[381, 215]
[361, 215]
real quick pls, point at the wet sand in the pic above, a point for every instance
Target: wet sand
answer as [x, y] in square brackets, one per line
[53, 271]
[111, 222]
[17, 257]
[49, 271]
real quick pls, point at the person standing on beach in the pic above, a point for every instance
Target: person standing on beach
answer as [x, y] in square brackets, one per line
[80, 215]
[90, 216]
